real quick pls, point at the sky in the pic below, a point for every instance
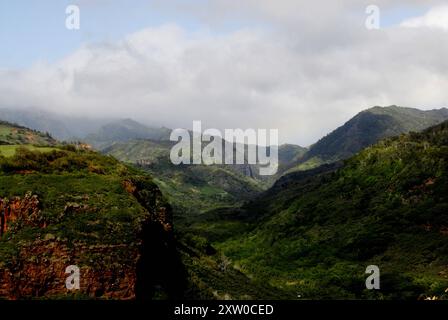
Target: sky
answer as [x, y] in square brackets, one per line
[298, 66]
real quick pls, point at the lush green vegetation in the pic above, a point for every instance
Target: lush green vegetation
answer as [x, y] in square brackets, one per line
[64, 159]
[212, 275]
[10, 150]
[192, 190]
[386, 206]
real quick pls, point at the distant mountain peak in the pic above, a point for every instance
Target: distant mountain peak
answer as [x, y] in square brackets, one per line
[366, 128]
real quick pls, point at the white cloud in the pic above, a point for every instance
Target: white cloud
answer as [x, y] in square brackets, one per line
[435, 18]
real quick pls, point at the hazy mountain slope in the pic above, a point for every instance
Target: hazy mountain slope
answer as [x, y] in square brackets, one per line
[60, 126]
[288, 153]
[367, 128]
[387, 206]
[125, 130]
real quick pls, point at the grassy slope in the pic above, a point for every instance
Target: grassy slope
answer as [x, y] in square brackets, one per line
[10, 150]
[13, 136]
[387, 206]
[16, 135]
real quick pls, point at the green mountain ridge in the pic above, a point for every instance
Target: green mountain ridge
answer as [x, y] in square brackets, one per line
[365, 129]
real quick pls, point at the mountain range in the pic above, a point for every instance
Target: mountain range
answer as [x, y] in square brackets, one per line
[207, 187]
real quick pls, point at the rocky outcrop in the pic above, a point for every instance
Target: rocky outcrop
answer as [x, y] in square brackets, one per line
[22, 210]
[160, 272]
[163, 214]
